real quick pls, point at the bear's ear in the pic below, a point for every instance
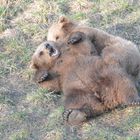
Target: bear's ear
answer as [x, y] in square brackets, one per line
[67, 27]
[33, 66]
[63, 19]
[66, 24]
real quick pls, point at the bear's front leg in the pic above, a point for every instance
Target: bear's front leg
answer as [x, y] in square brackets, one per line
[74, 38]
[40, 76]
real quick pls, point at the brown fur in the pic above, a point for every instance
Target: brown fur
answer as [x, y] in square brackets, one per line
[90, 84]
[112, 48]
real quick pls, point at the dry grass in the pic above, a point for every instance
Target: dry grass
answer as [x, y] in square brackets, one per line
[28, 112]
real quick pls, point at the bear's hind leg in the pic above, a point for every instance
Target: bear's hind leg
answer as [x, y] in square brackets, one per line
[80, 106]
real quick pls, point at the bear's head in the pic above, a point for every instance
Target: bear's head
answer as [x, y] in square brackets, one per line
[44, 55]
[59, 30]
[51, 60]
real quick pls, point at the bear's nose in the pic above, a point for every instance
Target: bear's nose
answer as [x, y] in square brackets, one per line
[48, 46]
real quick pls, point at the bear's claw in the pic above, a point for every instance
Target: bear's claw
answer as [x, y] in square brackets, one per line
[66, 114]
[75, 38]
[74, 116]
[43, 78]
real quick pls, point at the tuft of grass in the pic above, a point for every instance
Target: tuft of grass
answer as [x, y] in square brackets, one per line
[20, 135]
[9, 10]
[5, 100]
[64, 6]
[40, 96]
[29, 28]
[2, 128]
[54, 135]
[19, 116]
[16, 56]
[79, 16]
[54, 119]
[24, 25]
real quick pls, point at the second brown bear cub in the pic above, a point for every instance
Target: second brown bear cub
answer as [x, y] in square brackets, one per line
[118, 49]
[90, 85]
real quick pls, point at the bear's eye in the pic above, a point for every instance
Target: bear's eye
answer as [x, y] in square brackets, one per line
[41, 53]
[57, 37]
[59, 62]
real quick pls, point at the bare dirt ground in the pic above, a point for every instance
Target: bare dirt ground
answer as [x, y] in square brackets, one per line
[28, 112]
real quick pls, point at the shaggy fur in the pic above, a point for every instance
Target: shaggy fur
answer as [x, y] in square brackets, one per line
[112, 48]
[90, 85]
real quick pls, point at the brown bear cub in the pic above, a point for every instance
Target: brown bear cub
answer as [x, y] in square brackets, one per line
[90, 85]
[84, 47]
[119, 50]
